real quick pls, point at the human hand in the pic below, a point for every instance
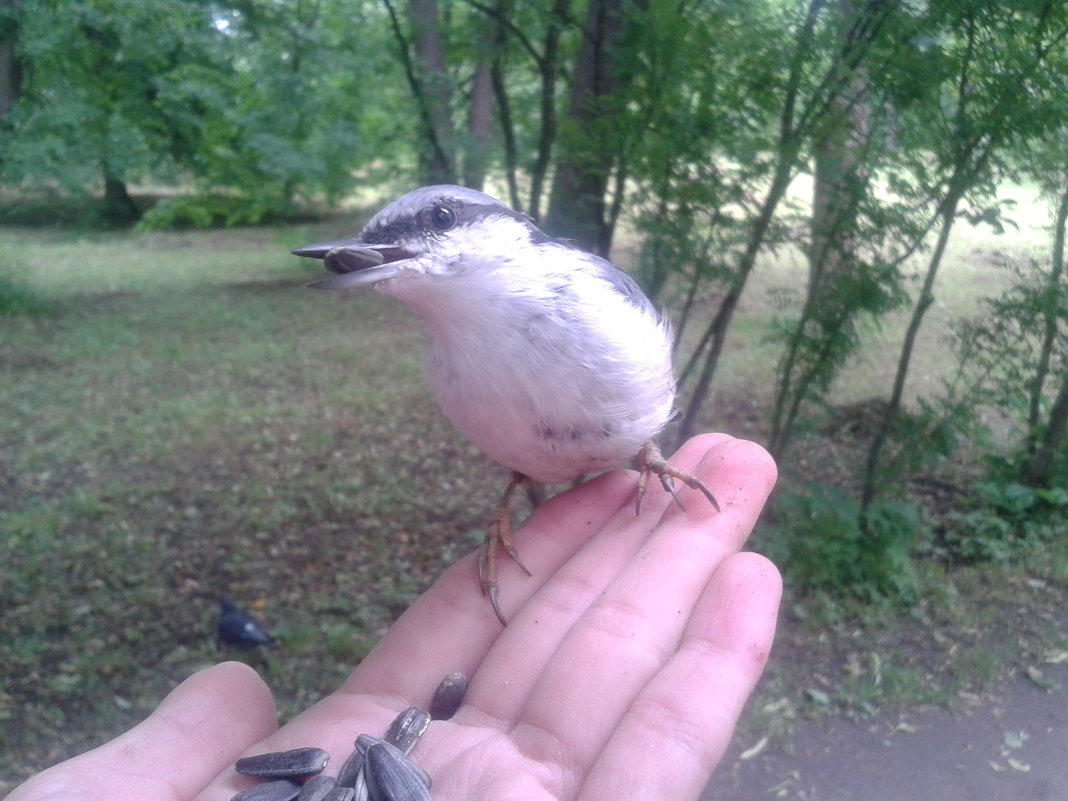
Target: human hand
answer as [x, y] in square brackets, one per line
[627, 659]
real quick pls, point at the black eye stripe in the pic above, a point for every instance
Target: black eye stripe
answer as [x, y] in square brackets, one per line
[422, 223]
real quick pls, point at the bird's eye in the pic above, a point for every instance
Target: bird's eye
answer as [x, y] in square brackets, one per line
[442, 217]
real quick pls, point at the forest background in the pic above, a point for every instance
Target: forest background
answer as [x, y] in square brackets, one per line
[854, 213]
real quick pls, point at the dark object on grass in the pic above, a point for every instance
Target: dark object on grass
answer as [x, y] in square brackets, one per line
[298, 763]
[238, 628]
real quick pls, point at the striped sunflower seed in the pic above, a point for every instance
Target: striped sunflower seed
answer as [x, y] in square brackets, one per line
[391, 777]
[294, 764]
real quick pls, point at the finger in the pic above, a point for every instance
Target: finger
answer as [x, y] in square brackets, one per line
[195, 733]
[632, 628]
[677, 730]
[406, 666]
[414, 655]
[619, 606]
[448, 629]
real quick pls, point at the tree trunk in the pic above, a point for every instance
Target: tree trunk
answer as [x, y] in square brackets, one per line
[547, 67]
[577, 201]
[716, 334]
[1049, 319]
[843, 160]
[947, 215]
[437, 161]
[1038, 471]
[479, 126]
[10, 67]
[791, 136]
[119, 207]
[511, 150]
[1043, 451]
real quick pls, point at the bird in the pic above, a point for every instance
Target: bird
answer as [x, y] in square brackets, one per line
[548, 358]
[237, 628]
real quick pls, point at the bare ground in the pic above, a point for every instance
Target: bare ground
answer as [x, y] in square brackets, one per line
[1010, 745]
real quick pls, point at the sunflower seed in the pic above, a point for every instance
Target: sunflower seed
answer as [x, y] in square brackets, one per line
[316, 788]
[448, 696]
[406, 728]
[280, 790]
[351, 769]
[364, 743]
[340, 794]
[284, 764]
[391, 777]
[349, 259]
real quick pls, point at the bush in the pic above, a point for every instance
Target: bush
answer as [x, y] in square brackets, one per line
[1004, 519]
[820, 542]
[205, 211]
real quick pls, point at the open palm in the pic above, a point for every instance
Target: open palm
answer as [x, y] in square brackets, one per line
[626, 661]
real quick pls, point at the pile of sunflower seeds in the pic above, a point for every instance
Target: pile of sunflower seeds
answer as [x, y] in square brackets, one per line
[378, 770]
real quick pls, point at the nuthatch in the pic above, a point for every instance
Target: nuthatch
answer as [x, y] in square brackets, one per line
[549, 359]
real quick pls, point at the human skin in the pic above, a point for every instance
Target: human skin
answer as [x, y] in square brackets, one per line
[627, 659]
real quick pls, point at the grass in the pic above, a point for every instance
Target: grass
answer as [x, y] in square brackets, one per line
[180, 419]
[186, 421]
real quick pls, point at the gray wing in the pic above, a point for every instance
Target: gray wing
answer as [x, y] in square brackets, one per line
[619, 280]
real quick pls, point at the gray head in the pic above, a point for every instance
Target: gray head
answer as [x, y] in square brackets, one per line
[419, 232]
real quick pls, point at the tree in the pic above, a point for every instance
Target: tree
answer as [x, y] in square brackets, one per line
[90, 99]
[590, 145]
[997, 91]
[801, 93]
[10, 62]
[252, 102]
[848, 276]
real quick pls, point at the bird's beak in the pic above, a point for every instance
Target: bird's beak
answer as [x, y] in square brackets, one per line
[356, 263]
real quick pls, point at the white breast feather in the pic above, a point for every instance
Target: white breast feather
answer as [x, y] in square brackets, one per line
[547, 368]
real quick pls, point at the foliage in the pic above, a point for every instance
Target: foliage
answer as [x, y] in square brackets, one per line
[817, 535]
[1004, 520]
[698, 123]
[94, 102]
[267, 102]
[205, 211]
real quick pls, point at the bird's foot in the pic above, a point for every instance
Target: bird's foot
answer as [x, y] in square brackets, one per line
[652, 462]
[499, 538]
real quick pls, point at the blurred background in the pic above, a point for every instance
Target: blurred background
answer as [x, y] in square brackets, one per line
[853, 212]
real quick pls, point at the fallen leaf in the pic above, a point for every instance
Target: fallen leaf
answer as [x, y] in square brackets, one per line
[1015, 739]
[819, 696]
[749, 753]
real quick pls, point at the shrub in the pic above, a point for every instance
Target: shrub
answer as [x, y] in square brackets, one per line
[820, 542]
[205, 211]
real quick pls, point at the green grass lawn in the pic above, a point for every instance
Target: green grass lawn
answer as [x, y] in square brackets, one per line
[184, 420]
[181, 419]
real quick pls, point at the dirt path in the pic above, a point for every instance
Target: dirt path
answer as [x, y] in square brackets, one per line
[1010, 746]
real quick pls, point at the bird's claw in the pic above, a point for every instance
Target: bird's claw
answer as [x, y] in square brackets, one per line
[498, 538]
[651, 461]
